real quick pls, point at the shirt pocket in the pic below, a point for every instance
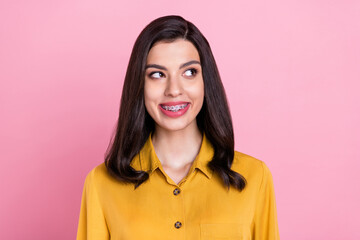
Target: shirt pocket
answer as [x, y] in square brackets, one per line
[222, 231]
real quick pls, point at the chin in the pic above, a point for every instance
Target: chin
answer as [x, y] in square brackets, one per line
[174, 126]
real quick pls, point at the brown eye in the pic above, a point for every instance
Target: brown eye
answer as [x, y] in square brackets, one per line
[190, 72]
[156, 75]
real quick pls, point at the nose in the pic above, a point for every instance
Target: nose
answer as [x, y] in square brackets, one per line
[173, 87]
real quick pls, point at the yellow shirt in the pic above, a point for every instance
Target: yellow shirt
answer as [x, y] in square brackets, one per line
[199, 207]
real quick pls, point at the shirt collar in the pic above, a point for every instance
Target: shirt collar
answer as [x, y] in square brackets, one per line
[147, 160]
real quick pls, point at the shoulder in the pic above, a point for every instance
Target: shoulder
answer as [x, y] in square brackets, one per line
[249, 167]
[98, 171]
[98, 175]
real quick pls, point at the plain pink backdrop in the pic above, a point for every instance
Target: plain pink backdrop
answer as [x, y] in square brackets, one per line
[291, 70]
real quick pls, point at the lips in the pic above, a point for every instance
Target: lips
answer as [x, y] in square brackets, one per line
[174, 109]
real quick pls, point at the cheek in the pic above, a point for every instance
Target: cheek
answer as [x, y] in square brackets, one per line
[151, 95]
[197, 93]
[148, 101]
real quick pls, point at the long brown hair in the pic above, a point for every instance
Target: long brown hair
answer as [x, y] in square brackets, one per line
[135, 124]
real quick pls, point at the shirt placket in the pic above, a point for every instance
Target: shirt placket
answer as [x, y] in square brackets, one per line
[177, 218]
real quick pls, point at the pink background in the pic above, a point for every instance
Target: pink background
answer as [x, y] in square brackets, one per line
[290, 67]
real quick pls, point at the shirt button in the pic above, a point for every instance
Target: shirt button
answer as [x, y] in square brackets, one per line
[178, 224]
[176, 191]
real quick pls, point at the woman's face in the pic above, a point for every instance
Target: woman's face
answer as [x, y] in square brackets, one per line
[174, 87]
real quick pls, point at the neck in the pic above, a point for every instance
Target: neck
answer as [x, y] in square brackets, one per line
[175, 149]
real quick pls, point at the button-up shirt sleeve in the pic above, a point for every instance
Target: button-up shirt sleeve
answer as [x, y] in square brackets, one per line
[92, 224]
[265, 225]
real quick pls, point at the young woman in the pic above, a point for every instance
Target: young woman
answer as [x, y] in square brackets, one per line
[171, 171]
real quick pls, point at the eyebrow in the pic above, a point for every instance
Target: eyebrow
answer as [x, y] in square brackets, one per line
[164, 68]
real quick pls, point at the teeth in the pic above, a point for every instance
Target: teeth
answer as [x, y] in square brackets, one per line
[174, 108]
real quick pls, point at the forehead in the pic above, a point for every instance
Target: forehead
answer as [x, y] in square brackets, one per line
[178, 51]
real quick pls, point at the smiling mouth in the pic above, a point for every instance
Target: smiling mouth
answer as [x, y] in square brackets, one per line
[174, 108]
